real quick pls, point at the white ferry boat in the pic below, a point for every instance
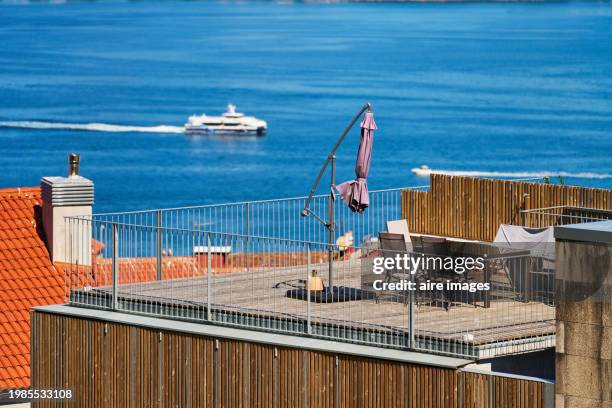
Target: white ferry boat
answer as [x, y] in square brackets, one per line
[422, 171]
[230, 123]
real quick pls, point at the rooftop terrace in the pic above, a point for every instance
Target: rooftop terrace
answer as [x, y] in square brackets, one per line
[236, 264]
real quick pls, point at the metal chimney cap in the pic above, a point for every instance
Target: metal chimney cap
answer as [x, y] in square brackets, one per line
[73, 165]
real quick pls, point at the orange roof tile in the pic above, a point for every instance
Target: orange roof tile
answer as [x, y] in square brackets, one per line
[27, 278]
[132, 270]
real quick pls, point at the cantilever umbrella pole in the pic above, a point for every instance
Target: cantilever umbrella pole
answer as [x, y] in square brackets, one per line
[331, 155]
[330, 223]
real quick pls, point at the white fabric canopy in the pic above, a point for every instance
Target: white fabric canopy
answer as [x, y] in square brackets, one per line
[539, 241]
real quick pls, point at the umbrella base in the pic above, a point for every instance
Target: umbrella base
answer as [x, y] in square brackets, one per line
[336, 295]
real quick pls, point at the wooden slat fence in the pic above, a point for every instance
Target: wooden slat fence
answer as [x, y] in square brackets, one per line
[473, 208]
[114, 365]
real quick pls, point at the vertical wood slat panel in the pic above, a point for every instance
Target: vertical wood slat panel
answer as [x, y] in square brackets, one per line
[113, 365]
[473, 208]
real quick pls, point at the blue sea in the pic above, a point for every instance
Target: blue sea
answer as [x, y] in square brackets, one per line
[512, 90]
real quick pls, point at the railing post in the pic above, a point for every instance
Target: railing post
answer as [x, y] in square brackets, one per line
[69, 232]
[487, 279]
[248, 233]
[308, 317]
[208, 278]
[330, 227]
[158, 246]
[115, 265]
[411, 300]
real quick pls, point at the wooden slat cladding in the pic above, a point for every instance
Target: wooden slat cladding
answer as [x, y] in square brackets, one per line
[473, 208]
[114, 365]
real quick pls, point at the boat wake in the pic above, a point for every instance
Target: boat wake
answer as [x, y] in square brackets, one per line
[93, 127]
[523, 174]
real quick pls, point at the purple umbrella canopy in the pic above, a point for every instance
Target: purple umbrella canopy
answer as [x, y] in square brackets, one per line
[355, 192]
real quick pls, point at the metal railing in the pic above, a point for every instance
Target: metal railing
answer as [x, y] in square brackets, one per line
[278, 218]
[563, 215]
[170, 265]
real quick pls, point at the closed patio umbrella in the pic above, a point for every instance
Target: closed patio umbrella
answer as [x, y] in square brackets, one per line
[355, 192]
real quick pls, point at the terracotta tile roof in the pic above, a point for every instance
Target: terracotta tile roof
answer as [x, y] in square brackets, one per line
[135, 270]
[27, 278]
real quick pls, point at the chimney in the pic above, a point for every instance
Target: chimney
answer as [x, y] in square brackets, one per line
[68, 240]
[73, 165]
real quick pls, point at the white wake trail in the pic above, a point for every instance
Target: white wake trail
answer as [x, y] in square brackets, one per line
[93, 127]
[525, 174]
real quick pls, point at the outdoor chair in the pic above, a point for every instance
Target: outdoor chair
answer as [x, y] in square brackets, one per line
[443, 248]
[542, 279]
[494, 271]
[391, 245]
[436, 247]
[401, 227]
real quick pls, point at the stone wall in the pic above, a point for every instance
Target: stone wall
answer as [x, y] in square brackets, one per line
[584, 325]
